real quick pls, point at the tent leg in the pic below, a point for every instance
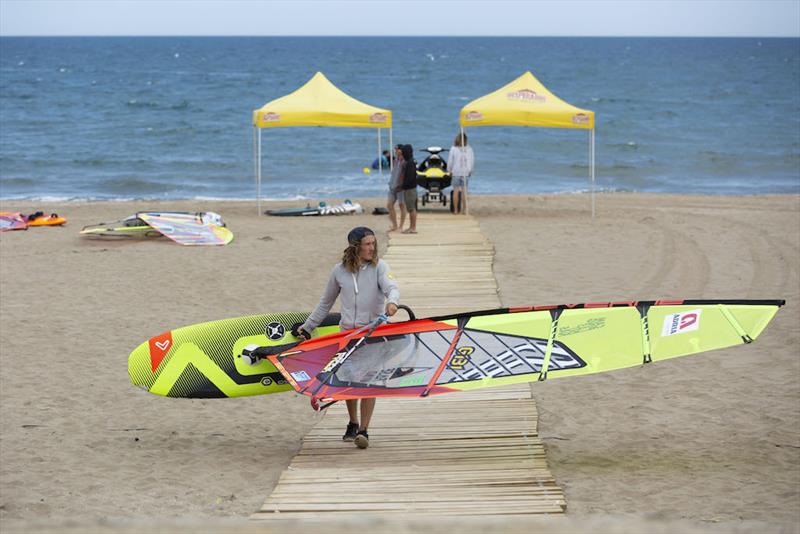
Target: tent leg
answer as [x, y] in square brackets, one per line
[255, 159]
[380, 162]
[466, 181]
[591, 167]
[391, 152]
[258, 179]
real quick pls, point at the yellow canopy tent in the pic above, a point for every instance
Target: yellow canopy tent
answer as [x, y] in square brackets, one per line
[317, 103]
[526, 102]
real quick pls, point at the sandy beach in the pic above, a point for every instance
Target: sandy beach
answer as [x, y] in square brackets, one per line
[708, 443]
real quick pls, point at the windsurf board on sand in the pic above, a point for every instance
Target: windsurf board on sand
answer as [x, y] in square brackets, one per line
[345, 208]
[474, 350]
[128, 228]
[204, 360]
[40, 219]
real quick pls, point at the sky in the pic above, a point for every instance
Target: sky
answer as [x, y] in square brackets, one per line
[672, 18]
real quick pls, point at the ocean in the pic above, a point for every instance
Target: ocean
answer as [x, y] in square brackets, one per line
[170, 117]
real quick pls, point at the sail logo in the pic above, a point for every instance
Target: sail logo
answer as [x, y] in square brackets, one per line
[300, 376]
[526, 95]
[336, 360]
[580, 118]
[461, 358]
[679, 323]
[270, 116]
[378, 117]
[473, 116]
[275, 331]
[159, 347]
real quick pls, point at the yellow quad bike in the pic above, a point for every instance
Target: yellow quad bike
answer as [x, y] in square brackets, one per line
[432, 176]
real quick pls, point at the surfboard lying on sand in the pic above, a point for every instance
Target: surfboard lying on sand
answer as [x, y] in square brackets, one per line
[40, 219]
[204, 360]
[129, 228]
[12, 220]
[511, 345]
[201, 228]
[345, 208]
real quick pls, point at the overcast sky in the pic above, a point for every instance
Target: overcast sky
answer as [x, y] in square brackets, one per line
[746, 18]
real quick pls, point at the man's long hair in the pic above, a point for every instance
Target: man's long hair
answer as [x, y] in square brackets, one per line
[350, 257]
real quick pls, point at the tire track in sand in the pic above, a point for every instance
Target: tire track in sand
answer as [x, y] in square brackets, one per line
[683, 269]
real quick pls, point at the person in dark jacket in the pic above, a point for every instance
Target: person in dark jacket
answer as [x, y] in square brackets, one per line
[410, 188]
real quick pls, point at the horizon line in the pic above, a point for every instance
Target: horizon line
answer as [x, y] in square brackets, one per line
[425, 36]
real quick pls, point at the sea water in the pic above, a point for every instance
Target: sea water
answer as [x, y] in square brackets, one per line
[170, 118]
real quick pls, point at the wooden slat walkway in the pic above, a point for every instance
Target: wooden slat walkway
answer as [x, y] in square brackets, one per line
[446, 267]
[472, 453]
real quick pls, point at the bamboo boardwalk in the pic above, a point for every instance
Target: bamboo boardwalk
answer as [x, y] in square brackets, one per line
[472, 453]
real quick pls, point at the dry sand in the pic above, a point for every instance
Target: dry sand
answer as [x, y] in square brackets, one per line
[706, 443]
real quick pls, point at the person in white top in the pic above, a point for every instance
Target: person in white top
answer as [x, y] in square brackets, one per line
[460, 163]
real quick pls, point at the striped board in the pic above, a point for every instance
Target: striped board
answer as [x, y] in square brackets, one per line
[203, 360]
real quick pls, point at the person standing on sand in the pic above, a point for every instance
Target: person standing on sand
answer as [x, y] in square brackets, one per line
[368, 289]
[409, 186]
[460, 163]
[396, 191]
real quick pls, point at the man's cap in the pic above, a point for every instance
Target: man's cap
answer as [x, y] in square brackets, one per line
[357, 234]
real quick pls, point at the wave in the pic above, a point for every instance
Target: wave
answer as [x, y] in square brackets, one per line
[630, 145]
[136, 186]
[183, 105]
[19, 96]
[17, 182]
[134, 103]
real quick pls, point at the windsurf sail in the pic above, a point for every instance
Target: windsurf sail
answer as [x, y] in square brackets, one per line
[513, 345]
[11, 220]
[187, 229]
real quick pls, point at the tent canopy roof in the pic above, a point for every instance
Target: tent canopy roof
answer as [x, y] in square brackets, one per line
[320, 103]
[525, 102]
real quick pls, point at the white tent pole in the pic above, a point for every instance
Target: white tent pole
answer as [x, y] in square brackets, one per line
[466, 178]
[255, 160]
[380, 162]
[591, 165]
[258, 189]
[391, 152]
